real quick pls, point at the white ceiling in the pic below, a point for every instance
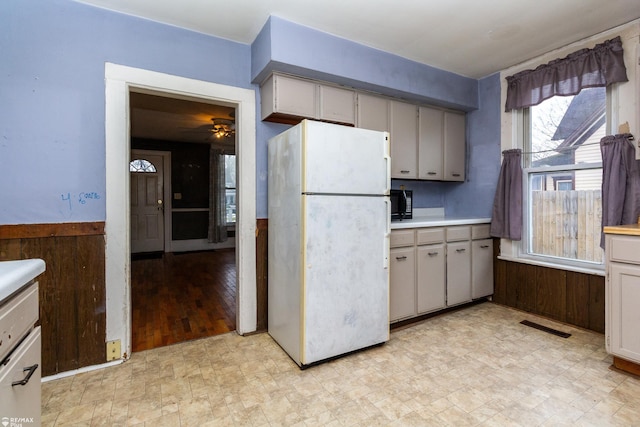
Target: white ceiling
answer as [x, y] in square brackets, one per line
[473, 38]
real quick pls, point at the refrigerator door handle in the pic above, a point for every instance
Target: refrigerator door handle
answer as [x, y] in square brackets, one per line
[387, 159]
[387, 236]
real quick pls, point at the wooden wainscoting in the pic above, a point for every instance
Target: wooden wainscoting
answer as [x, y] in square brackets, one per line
[72, 289]
[262, 258]
[566, 296]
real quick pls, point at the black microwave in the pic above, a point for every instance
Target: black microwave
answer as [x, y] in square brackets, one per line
[401, 205]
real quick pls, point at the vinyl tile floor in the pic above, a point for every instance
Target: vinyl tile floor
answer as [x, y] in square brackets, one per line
[474, 366]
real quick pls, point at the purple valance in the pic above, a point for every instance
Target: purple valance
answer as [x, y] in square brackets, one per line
[597, 67]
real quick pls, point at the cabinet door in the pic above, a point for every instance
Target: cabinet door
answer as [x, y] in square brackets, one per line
[454, 146]
[430, 286]
[404, 140]
[458, 273]
[402, 283]
[430, 143]
[337, 105]
[295, 97]
[22, 400]
[624, 316]
[373, 113]
[481, 268]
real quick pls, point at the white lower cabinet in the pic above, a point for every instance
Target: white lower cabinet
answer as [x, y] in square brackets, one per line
[481, 268]
[622, 298]
[458, 272]
[437, 267]
[430, 286]
[402, 275]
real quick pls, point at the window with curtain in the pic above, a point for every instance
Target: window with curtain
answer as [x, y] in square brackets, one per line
[563, 177]
[560, 112]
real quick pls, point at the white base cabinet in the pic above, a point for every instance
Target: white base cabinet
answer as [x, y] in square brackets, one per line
[402, 283]
[458, 273]
[430, 287]
[481, 268]
[437, 267]
[622, 298]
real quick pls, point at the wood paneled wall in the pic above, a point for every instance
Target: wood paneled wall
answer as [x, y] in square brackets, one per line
[262, 272]
[72, 289]
[566, 296]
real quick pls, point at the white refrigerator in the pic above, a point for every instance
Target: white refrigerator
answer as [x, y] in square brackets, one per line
[329, 230]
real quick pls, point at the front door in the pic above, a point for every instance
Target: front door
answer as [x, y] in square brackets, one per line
[147, 204]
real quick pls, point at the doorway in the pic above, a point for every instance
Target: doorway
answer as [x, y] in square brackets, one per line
[182, 174]
[120, 80]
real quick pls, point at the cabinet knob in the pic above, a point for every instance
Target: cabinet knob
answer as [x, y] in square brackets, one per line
[432, 173]
[484, 246]
[455, 174]
[405, 171]
[401, 258]
[432, 253]
[460, 250]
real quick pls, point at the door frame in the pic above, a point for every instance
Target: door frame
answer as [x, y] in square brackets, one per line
[119, 81]
[166, 192]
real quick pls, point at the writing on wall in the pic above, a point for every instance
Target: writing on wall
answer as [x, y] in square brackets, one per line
[71, 202]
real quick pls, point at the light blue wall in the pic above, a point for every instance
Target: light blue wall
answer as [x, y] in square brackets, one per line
[52, 131]
[52, 137]
[475, 196]
[289, 47]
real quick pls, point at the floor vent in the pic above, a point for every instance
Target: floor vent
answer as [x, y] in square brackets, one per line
[546, 329]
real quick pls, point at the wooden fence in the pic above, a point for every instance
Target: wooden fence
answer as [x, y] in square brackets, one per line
[567, 224]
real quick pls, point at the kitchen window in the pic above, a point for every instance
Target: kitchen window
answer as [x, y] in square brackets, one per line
[563, 178]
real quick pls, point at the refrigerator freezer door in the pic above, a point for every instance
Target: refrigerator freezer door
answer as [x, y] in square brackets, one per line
[346, 275]
[344, 160]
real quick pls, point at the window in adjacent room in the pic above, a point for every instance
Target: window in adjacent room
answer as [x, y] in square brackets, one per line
[230, 188]
[563, 177]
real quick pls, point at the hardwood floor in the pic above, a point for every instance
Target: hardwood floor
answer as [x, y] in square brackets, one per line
[180, 297]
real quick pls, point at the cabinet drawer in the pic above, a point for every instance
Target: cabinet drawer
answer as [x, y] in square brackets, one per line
[480, 231]
[17, 317]
[22, 400]
[624, 249]
[458, 233]
[402, 238]
[428, 236]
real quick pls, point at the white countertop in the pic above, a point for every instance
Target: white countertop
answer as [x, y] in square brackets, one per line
[15, 274]
[437, 221]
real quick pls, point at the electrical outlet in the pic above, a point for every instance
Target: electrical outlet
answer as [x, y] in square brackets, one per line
[113, 350]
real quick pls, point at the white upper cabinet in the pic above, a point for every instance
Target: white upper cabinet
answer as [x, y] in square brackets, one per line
[426, 143]
[454, 146]
[442, 145]
[404, 140]
[337, 105]
[430, 143]
[286, 99]
[373, 112]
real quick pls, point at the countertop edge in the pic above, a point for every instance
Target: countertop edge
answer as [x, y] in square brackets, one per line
[629, 230]
[14, 275]
[437, 222]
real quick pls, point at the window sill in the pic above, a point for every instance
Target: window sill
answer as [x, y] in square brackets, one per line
[558, 266]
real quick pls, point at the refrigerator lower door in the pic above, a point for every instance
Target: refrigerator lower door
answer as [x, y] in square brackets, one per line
[346, 275]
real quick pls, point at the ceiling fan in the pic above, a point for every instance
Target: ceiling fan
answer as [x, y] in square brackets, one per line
[223, 128]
